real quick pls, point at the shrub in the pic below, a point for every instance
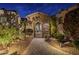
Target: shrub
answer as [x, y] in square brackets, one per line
[58, 36]
[29, 31]
[76, 43]
[7, 35]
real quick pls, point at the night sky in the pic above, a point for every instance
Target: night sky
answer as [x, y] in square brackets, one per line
[24, 9]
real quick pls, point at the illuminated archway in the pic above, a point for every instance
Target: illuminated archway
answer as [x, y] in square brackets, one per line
[38, 29]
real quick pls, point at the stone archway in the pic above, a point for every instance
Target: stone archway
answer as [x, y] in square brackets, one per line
[38, 30]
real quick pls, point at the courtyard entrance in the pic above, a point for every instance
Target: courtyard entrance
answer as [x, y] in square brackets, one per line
[38, 30]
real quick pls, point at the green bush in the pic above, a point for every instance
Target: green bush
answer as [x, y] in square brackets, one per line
[7, 35]
[53, 26]
[76, 43]
[54, 32]
[58, 36]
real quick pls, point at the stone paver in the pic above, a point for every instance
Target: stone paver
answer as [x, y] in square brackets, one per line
[38, 46]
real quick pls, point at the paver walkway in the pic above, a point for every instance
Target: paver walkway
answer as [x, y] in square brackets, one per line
[38, 46]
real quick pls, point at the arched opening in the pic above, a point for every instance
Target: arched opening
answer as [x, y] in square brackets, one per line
[38, 29]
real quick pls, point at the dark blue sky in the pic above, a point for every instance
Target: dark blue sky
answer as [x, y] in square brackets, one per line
[27, 8]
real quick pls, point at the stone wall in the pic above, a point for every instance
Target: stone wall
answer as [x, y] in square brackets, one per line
[69, 21]
[41, 18]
